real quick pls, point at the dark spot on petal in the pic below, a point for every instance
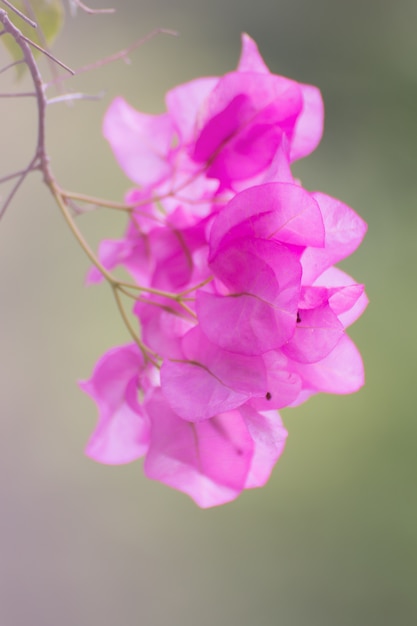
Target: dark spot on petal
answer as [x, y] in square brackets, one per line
[268, 395]
[239, 451]
[298, 318]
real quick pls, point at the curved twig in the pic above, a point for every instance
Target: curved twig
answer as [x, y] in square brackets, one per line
[64, 199]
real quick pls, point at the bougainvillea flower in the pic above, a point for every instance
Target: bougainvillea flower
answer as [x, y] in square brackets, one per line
[247, 117]
[308, 128]
[122, 432]
[240, 309]
[233, 125]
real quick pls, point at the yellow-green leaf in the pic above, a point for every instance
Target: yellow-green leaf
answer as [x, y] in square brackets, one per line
[49, 16]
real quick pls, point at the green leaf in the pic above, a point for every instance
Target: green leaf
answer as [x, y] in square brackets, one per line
[49, 16]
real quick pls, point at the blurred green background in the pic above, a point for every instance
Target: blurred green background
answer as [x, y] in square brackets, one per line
[331, 540]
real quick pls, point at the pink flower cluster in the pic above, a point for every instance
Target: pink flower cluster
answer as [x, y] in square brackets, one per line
[242, 311]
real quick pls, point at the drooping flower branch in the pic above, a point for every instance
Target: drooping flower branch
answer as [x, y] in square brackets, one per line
[39, 162]
[239, 308]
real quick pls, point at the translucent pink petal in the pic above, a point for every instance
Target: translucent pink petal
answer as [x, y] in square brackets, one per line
[341, 371]
[261, 267]
[172, 249]
[196, 196]
[344, 232]
[139, 142]
[259, 313]
[250, 266]
[209, 461]
[195, 393]
[308, 129]
[242, 152]
[245, 117]
[269, 436]
[122, 432]
[243, 324]
[210, 380]
[131, 253]
[278, 171]
[313, 297]
[186, 104]
[244, 373]
[283, 385]
[173, 259]
[279, 211]
[350, 301]
[163, 327]
[317, 333]
[250, 59]
[303, 396]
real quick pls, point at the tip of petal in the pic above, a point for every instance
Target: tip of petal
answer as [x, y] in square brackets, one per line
[250, 58]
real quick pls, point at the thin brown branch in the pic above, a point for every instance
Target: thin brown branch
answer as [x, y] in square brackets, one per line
[31, 167]
[97, 202]
[42, 39]
[10, 65]
[121, 54]
[76, 232]
[4, 179]
[47, 54]
[64, 200]
[148, 354]
[70, 97]
[20, 14]
[87, 9]
[40, 159]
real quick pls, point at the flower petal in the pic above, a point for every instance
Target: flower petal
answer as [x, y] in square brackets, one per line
[140, 142]
[269, 436]
[308, 129]
[341, 371]
[185, 104]
[278, 211]
[209, 461]
[245, 118]
[344, 232]
[122, 432]
[349, 300]
[283, 385]
[317, 333]
[250, 58]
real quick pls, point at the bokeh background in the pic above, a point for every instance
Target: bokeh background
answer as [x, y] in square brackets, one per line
[332, 539]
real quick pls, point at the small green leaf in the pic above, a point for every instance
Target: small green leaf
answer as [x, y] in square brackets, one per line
[49, 16]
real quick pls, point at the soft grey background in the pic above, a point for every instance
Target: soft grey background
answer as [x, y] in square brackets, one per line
[331, 540]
